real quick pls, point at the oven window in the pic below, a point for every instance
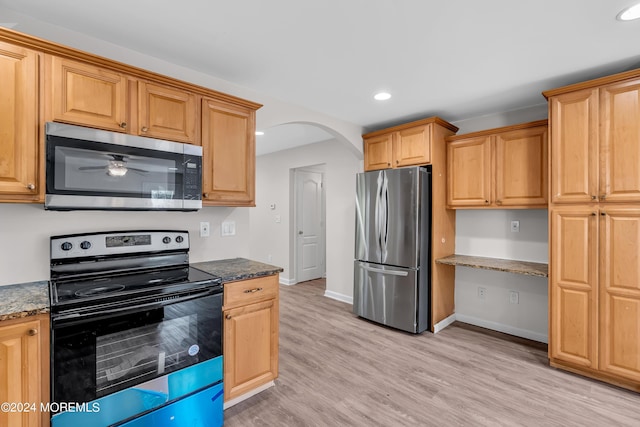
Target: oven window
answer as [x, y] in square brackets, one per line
[100, 357]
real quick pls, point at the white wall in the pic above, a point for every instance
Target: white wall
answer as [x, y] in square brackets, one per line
[487, 233]
[273, 175]
[25, 230]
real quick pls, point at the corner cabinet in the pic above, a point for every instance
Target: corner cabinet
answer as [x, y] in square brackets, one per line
[24, 373]
[251, 317]
[19, 161]
[594, 218]
[228, 142]
[502, 168]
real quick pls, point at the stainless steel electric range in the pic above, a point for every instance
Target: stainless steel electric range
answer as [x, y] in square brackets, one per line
[136, 334]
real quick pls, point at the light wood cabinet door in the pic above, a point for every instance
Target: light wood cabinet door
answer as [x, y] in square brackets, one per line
[412, 146]
[469, 172]
[18, 123]
[573, 286]
[228, 145]
[378, 152]
[166, 113]
[521, 167]
[87, 95]
[620, 291]
[574, 148]
[21, 374]
[620, 142]
[250, 347]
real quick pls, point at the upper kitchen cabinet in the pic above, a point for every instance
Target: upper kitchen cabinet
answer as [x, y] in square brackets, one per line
[19, 161]
[504, 168]
[596, 142]
[166, 113]
[85, 94]
[404, 145]
[95, 96]
[228, 145]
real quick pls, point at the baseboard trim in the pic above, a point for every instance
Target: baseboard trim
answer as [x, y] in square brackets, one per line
[287, 282]
[444, 323]
[235, 401]
[507, 329]
[339, 297]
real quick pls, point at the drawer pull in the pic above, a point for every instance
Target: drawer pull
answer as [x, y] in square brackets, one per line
[250, 291]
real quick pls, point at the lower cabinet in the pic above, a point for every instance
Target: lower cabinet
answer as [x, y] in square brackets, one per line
[24, 372]
[250, 334]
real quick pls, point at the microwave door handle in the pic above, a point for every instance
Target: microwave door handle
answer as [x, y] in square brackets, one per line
[109, 312]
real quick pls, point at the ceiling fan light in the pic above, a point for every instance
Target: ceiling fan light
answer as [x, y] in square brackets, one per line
[630, 13]
[117, 170]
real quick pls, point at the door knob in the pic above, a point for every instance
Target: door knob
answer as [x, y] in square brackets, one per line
[300, 232]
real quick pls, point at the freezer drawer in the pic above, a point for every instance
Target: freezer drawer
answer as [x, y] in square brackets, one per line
[391, 296]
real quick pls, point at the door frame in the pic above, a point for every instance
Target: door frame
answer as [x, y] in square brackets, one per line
[293, 233]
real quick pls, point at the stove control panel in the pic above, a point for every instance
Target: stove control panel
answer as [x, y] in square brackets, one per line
[113, 243]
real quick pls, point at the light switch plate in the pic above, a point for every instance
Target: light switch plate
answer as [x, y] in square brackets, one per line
[228, 228]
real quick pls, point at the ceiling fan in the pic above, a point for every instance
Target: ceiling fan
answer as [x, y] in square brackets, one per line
[117, 166]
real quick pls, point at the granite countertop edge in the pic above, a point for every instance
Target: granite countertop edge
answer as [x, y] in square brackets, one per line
[234, 269]
[24, 300]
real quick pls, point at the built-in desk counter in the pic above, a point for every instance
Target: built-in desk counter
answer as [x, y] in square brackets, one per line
[498, 264]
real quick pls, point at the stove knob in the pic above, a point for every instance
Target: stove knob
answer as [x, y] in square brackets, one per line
[66, 246]
[85, 245]
[179, 239]
[166, 240]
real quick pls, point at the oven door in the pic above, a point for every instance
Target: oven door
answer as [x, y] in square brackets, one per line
[119, 347]
[93, 169]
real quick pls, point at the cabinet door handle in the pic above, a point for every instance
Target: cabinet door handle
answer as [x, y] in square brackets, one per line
[32, 332]
[603, 213]
[250, 291]
[123, 125]
[228, 317]
[205, 195]
[388, 163]
[498, 202]
[144, 129]
[594, 197]
[486, 201]
[593, 214]
[604, 196]
[31, 186]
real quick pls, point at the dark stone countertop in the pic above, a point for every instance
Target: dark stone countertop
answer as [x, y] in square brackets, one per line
[498, 264]
[230, 270]
[23, 300]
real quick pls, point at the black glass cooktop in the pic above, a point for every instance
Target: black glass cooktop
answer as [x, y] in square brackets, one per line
[112, 286]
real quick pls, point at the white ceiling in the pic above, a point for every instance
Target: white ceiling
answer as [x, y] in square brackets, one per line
[453, 58]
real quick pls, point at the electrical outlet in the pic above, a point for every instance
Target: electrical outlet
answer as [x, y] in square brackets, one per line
[204, 229]
[482, 292]
[228, 228]
[515, 226]
[514, 297]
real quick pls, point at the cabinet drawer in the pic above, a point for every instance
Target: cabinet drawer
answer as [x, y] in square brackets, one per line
[249, 291]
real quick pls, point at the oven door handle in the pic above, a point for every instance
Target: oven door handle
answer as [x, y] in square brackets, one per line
[82, 316]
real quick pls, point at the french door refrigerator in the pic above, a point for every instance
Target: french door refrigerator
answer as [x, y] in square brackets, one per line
[392, 248]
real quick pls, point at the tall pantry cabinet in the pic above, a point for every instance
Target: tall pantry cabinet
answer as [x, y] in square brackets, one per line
[594, 217]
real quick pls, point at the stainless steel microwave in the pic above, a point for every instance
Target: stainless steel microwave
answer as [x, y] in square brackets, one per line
[95, 169]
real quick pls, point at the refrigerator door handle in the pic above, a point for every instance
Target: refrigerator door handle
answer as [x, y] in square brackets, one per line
[384, 226]
[382, 271]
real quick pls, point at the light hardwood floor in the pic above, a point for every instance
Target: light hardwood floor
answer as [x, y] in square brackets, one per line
[339, 370]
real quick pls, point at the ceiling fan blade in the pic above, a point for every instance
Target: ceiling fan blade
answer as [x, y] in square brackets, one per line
[91, 168]
[137, 170]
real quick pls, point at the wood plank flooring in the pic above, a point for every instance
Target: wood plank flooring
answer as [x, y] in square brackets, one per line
[339, 370]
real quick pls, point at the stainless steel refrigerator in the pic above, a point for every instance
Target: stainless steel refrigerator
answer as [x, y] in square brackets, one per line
[392, 253]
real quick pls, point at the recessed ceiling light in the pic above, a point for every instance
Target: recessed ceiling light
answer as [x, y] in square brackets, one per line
[630, 13]
[259, 132]
[382, 96]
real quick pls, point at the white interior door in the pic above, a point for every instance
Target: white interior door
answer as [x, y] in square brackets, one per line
[309, 226]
